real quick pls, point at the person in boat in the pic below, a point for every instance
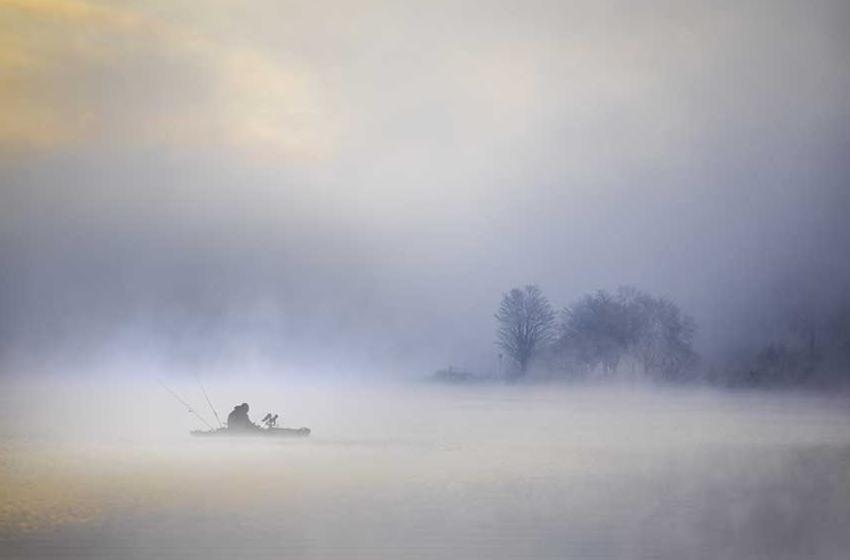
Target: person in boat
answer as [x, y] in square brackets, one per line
[238, 420]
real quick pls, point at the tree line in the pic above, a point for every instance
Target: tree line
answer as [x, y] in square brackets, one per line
[804, 348]
[601, 334]
[631, 332]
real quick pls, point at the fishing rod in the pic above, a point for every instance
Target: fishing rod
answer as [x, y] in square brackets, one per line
[204, 391]
[187, 405]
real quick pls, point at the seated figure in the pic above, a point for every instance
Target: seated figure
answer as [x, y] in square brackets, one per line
[238, 420]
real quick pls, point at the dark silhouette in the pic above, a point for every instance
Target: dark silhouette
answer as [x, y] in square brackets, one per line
[269, 420]
[238, 424]
[238, 420]
[526, 323]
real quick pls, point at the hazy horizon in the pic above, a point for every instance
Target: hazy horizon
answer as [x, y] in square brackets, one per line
[342, 187]
[380, 221]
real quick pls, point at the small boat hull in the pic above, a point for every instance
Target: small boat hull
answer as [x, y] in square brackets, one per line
[260, 432]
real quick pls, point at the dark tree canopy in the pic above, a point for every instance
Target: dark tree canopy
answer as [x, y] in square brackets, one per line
[601, 330]
[595, 331]
[525, 324]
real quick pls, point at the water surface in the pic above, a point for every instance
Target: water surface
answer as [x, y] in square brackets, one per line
[422, 471]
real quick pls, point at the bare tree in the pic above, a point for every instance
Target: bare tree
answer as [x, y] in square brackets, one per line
[526, 322]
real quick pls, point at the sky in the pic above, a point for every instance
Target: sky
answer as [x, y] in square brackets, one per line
[347, 188]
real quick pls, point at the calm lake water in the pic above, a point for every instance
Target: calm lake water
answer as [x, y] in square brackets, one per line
[422, 471]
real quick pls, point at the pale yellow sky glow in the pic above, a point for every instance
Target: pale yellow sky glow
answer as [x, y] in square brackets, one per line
[79, 72]
[139, 75]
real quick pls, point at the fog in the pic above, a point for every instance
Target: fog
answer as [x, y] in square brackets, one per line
[331, 186]
[313, 207]
[427, 472]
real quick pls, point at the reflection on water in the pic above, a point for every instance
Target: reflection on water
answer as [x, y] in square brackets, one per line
[426, 472]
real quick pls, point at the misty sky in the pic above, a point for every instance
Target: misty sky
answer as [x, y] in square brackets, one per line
[350, 186]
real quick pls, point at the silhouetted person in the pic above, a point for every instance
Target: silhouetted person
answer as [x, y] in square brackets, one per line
[238, 419]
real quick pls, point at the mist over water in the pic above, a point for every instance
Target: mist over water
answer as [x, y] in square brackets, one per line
[424, 471]
[313, 206]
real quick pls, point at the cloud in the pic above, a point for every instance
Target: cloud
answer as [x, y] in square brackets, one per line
[80, 75]
[392, 167]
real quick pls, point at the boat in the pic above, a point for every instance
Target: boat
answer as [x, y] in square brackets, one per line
[272, 432]
[245, 428]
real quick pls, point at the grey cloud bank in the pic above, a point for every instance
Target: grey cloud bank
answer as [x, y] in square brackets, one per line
[331, 187]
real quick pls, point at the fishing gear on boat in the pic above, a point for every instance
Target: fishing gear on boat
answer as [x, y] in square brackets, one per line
[187, 405]
[269, 421]
[204, 391]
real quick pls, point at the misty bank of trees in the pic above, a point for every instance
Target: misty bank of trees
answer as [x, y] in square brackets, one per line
[804, 348]
[628, 332]
[631, 333]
